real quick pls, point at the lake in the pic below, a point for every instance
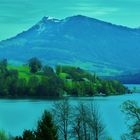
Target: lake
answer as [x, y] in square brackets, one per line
[17, 115]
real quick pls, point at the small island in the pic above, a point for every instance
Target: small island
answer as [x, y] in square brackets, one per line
[34, 80]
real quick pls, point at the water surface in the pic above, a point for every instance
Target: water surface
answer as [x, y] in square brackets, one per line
[17, 115]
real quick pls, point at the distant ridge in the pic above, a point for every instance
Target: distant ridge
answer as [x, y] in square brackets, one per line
[90, 43]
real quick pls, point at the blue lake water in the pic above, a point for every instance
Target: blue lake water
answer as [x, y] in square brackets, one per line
[17, 115]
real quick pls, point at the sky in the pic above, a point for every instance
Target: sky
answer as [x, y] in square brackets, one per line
[19, 15]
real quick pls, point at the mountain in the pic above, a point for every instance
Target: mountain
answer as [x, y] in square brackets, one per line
[125, 79]
[92, 44]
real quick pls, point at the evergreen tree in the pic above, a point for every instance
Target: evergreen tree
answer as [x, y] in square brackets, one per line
[35, 65]
[27, 135]
[46, 129]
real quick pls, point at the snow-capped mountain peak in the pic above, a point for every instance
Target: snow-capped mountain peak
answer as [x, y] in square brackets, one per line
[59, 41]
[52, 19]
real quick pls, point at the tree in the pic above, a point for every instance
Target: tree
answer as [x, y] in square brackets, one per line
[46, 129]
[35, 65]
[87, 123]
[12, 82]
[27, 135]
[77, 128]
[105, 88]
[3, 65]
[33, 84]
[80, 123]
[95, 123]
[62, 112]
[132, 112]
[3, 135]
[58, 69]
[55, 86]
[42, 89]
[48, 71]
[22, 87]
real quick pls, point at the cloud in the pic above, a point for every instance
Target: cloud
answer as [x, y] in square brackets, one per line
[91, 9]
[19, 15]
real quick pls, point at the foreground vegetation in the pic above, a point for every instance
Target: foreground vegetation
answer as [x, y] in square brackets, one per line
[132, 111]
[62, 123]
[35, 80]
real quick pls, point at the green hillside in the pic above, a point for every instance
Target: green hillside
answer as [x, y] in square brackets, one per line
[24, 71]
[37, 80]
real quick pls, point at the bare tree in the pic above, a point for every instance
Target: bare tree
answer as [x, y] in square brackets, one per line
[80, 125]
[77, 128]
[87, 123]
[95, 122]
[62, 111]
[82, 121]
[132, 112]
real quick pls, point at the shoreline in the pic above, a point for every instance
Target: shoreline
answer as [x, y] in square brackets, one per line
[59, 98]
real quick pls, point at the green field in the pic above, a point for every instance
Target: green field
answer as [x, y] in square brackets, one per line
[24, 71]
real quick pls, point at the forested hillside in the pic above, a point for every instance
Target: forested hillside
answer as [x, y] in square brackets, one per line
[37, 80]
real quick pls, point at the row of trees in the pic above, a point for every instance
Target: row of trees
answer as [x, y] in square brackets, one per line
[45, 84]
[83, 124]
[79, 122]
[83, 82]
[44, 81]
[64, 124]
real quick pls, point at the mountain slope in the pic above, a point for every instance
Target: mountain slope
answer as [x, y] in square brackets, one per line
[89, 43]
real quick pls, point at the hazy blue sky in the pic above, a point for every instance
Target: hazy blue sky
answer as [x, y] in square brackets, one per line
[19, 15]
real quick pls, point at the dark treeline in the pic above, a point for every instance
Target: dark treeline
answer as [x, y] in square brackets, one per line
[45, 81]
